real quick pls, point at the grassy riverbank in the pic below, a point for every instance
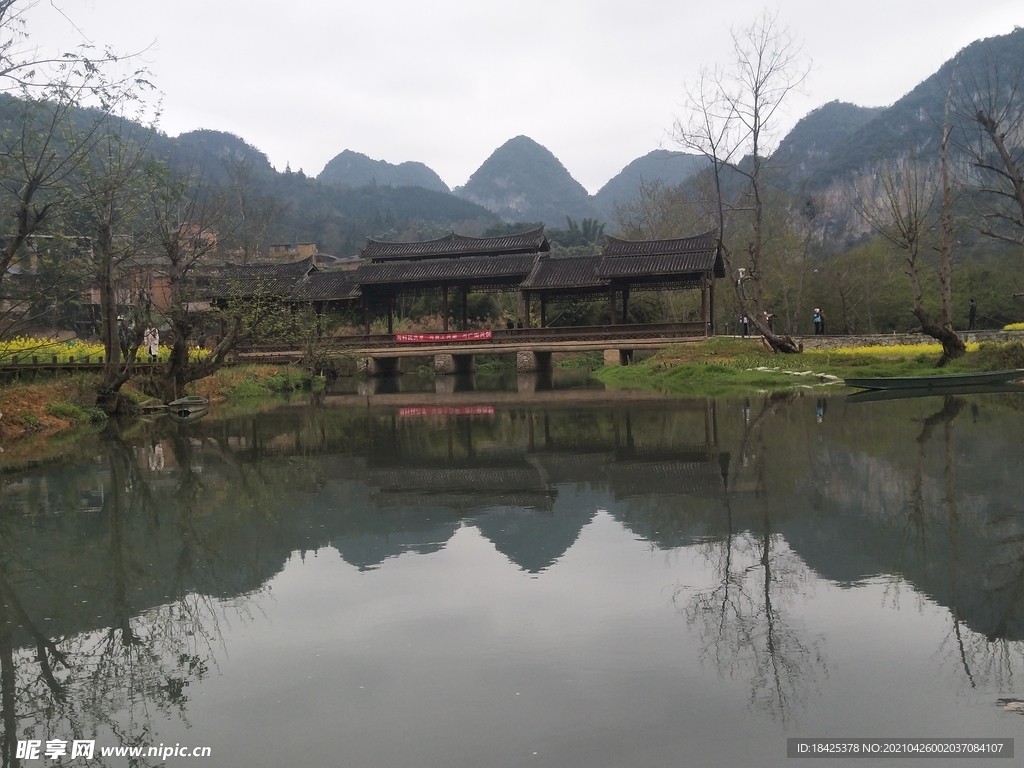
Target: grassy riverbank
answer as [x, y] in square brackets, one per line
[726, 366]
[47, 406]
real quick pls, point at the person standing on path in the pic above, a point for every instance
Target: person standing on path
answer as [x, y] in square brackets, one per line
[972, 314]
[744, 325]
[152, 342]
[819, 322]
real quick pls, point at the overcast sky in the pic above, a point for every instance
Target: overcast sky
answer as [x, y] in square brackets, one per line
[446, 82]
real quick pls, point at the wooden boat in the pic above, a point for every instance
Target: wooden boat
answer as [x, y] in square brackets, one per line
[876, 395]
[188, 408]
[943, 382]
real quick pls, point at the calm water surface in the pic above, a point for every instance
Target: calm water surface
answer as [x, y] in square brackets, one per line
[559, 577]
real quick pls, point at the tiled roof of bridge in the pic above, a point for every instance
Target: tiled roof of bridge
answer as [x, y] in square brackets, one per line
[289, 269]
[636, 478]
[565, 273]
[255, 279]
[458, 260]
[327, 286]
[615, 246]
[471, 269]
[661, 258]
[534, 241]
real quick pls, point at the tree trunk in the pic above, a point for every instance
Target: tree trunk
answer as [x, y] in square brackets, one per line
[784, 344]
[952, 345]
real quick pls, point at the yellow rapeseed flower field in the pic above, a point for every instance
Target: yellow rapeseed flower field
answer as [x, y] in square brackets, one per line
[25, 348]
[894, 350]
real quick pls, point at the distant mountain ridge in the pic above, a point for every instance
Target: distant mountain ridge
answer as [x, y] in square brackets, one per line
[838, 143]
[818, 135]
[524, 181]
[354, 169]
[521, 181]
[661, 165]
[355, 197]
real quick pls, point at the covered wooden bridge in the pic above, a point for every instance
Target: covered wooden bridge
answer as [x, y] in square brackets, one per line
[455, 266]
[458, 266]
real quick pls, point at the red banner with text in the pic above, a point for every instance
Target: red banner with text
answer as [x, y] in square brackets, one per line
[434, 338]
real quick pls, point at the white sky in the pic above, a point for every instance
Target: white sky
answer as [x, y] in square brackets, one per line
[446, 82]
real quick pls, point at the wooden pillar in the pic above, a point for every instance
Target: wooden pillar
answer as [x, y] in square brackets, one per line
[444, 308]
[625, 304]
[704, 303]
[711, 306]
[465, 305]
[366, 315]
[391, 312]
[543, 310]
[526, 309]
[611, 300]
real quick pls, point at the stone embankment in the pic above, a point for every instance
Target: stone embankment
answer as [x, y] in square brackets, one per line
[898, 339]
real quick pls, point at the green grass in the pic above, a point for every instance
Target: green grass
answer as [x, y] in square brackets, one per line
[719, 370]
[280, 382]
[76, 413]
[707, 379]
[494, 364]
[589, 360]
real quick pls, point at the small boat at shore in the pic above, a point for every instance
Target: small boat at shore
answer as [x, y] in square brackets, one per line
[876, 395]
[938, 382]
[187, 409]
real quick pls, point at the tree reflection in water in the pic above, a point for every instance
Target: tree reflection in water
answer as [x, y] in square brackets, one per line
[986, 659]
[741, 620]
[113, 683]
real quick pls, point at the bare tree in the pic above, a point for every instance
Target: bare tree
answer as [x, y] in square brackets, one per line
[39, 157]
[899, 202]
[253, 211]
[988, 102]
[657, 212]
[111, 191]
[185, 216]
[732, 118]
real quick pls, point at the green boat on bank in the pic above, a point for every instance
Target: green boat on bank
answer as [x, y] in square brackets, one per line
[938, 382]
[188, 409]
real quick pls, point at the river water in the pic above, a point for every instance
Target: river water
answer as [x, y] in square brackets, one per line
[527, 575]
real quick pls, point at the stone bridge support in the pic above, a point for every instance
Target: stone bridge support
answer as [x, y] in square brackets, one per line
[379, 366]
[533, 362]
[446, 364]
[618, 357]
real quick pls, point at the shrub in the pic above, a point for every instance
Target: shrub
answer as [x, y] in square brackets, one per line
[78, 414]
[997, 357]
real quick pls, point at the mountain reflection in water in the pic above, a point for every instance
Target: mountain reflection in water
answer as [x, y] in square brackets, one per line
[126, 573]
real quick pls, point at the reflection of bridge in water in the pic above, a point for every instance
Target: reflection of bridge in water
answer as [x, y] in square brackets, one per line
[470, 468]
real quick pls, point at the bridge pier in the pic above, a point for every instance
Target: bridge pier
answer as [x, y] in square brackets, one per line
[447, 364]
[379, 366]
[618, 357]
[528, 361]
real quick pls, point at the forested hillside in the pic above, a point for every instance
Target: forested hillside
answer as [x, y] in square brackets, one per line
[660, 166]
[523, 181]
[354, 169]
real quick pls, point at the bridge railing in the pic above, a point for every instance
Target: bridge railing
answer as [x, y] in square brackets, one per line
[619, 334]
